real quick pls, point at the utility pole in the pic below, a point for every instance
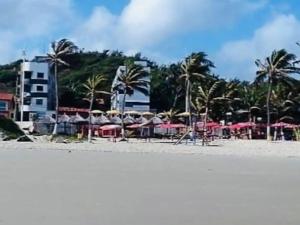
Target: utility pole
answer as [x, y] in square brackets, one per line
[22, 86]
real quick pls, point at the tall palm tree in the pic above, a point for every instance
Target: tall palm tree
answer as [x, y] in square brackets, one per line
[91, 88]
[207, 95]
[59, 50]
[275, 68]
[194, 66]
[132, 78]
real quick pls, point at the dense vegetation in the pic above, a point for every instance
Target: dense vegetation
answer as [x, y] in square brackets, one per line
[222, 99]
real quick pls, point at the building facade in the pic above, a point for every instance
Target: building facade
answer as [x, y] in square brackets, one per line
[36, 90]
[6, 105]
[137, 101]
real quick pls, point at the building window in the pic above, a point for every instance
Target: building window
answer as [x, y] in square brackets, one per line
[40, 88]
[27, 88]
[39, 101]
[3, 106]
[27, 74]
[40, 75]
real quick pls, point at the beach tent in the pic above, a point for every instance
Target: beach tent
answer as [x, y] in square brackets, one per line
[96, 111]
[129, 120]
[132, 112]
[116, 120]
[63, 118]
[102, 120]
[147, 114]
[113, 112]
[77, 119]
[141, 120]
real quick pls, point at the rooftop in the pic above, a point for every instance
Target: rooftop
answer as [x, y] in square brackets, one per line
[6, 96]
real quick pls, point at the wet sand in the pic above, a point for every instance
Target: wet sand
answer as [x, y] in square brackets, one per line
[117, 188]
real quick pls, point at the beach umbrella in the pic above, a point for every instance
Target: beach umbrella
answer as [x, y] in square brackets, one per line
[241, 111]
[129, 120]
[102, 120]
[164, 114]
[46, 119]
[147, 114]
[141, 120]
[116, 120]
[113, 112]
[132, 112]
[280, 124]
[63, 118]
[97, 111]
[94, 120]
[183, 114]
[153, 122]
[77, 119]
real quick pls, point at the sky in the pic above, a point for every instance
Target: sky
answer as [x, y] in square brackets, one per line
[233, 33]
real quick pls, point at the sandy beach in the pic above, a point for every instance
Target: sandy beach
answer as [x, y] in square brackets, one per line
[235, 182]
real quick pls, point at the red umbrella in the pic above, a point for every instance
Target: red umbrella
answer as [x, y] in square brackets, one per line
[134, 126]
[110, 127]
[170, 125]
[280, 124]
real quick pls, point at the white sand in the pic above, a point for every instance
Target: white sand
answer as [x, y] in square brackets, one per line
[239, 183]
[241, 148]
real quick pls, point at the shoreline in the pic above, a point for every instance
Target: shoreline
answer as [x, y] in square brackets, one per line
[240, 148]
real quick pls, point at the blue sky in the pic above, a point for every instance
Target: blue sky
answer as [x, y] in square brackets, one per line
[232, 32]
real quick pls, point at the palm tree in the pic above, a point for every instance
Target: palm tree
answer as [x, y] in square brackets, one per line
[250, 99]
[91, 86]
[207, 95]
[132, 78]
[59, 50]
[275, 68]
[194, 66]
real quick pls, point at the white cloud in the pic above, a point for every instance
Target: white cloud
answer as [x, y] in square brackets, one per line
[144, 24]
[237, 58]
[23, 20]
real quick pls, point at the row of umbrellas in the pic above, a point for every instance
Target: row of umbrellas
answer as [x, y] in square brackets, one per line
[100, 120]
[214, 125]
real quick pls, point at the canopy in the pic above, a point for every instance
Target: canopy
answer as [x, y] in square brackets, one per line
[46, 119]
[93, 120]
[97, 111]
[184, 114]
[148, 114]
[132, 112]
[102, 120]
[129, 120]
[152, 122]
[77, 119]
[113, 112]
[284, 125]
[116, 120]
[63, 118]
[141, 120]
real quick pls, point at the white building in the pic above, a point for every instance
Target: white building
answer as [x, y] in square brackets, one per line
[137, 101]
[35, 90]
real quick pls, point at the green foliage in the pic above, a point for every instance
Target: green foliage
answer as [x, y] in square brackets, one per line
[9, 128]
[169, 82]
